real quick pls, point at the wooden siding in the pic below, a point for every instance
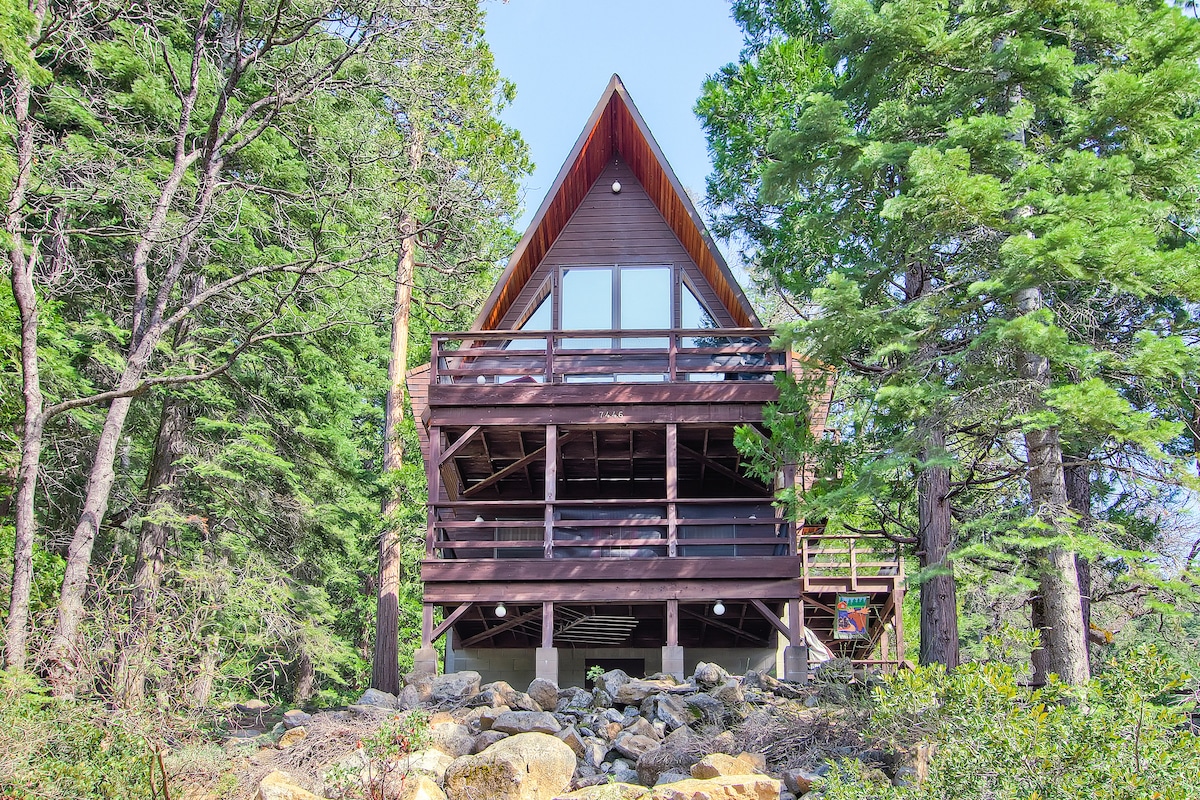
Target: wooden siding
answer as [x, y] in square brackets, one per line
[623, 229]
[615, 129]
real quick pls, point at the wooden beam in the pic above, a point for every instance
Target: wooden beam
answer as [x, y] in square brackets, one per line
[548, 624]
[672, 443]
[510, 469]
[426, 624]
[604, 592]
[795, 622]
[508, 624]
[724, 626]
[770, 617]
[614, 569]
[459, 444]
[715, 466]
[448, 621]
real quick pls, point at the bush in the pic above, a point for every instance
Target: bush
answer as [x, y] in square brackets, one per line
[69, 750]
[1121, 737]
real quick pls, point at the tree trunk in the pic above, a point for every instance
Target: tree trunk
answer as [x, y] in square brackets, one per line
[202, 688]
[163, 497]
[305, 680]
[21, 267]
[939, 601]
[1058, 581]
[1078, 478]
[385, 669]
[60, 671]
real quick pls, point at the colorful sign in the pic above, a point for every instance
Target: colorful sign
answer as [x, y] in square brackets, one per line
[852, 612]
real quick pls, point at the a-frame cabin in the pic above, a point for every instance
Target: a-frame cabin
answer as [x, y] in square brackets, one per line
[587, 503]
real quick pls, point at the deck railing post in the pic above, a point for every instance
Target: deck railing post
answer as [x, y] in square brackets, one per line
[551, 490]
[853, 564]
[435, 356]
[672, 489]
[433, 479]
[672, 353]
[549, 358]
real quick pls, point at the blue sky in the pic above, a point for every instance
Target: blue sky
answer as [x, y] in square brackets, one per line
[561, 54]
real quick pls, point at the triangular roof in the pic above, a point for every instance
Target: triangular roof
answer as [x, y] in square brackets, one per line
[615, 127]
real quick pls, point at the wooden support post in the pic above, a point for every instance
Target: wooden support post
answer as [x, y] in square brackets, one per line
[672, 623]
[551, 489]
[547, 624]
[854, 564]
[898, 616]
[795, 623]
[426, 624]
[433, 477]
[672, 489]
[789, 482]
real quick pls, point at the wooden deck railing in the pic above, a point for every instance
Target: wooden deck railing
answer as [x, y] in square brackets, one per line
[625, 356]
[834, 558]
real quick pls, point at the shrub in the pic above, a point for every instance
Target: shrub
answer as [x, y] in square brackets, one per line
[1120, 737]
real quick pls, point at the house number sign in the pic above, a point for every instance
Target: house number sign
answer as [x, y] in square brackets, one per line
[612, 413]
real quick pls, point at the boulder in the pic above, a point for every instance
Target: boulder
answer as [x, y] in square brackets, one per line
[295, 718]
[717, 765]
[594, 753]
[253, 706]
[280, 786]
[611, 681]
[291, 737]
[572, 739]
[526, 722]
[705, 708]
[671, 777]
[486, 739]
[433, 763]
[730, 693]
[799, 781]
[451, 738]
[667, 709]
[379, 699]
[709, 675]
[421, 787]
[544, 693]
[454, 687]
[633, 745]
[607, 791]
[611, 730]
[487, 698]
[573, 700]
[731, 787]
[523, 702]
[637, 690]
[601, 698]
[409, 698]
[488, 717]
[641, 727]
[756, 760]
[528, 766]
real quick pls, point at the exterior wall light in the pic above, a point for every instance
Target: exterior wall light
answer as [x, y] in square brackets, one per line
[501, 610]
[616, 187]
[719, 608]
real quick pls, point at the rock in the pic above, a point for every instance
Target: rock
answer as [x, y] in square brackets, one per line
[730, 787]
[295, 718]
[623, 774]
[729, 693]
[607, 791]
[641, 727]
[379, 699]
[601, 698]
[368, 712]
[573, 700]
[351, 772]
[594, 753]
[799, 780]
[633, 745]
[421, 787]
[488, 698]
[523, 702]
[705, 708]
[454, 687]
[253, 706]
[279, 786]
[451, 738]
[709, 675]
[526, 722]
[409, 698]
[611, 730]
[717, 765]
[611, 681]
[671, 777]
[636, 690]
[486, 739]
[544, 693]
[528, 766]
[488, 717]
[756, 761]
[291, 737]
[433, 763]
[667, 709]
[572, 739]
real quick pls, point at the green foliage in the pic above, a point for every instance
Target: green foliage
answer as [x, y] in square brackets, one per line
[62, 750]
[1120, 737]
[397, 737]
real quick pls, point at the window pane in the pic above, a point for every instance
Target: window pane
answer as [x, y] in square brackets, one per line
[539, 320]
[693, 314]
[645, 304]
[587, 304]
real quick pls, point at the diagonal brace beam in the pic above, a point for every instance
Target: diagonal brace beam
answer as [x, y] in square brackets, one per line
[511, 468]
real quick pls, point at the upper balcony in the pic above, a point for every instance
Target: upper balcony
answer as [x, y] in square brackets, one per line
[697, 365]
